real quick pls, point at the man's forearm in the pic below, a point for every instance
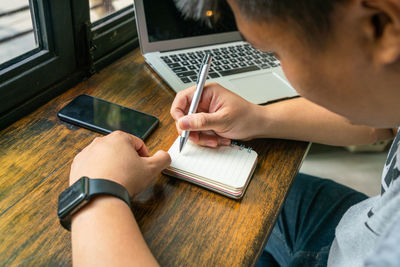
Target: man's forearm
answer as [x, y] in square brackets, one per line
[105, 233]
[300, 119]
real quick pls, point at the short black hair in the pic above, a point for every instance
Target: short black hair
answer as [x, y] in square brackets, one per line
[313, 17]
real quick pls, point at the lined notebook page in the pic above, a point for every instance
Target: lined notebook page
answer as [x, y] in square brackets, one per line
[228, 165]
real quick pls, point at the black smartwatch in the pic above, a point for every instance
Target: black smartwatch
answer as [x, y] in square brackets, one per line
[81, 192]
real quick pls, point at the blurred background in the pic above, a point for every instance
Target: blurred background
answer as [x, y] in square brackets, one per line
[360, 169]
[18, 30]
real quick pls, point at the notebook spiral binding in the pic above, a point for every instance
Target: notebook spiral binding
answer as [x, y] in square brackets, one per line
[241, 147]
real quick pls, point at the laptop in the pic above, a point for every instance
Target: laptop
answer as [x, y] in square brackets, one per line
[174, 47]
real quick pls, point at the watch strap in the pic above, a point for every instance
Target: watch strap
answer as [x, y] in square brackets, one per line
[108, 187]
[99, 187]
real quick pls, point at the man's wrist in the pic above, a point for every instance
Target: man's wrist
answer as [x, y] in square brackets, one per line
[83, 192]
[261, 122]
[96, 209]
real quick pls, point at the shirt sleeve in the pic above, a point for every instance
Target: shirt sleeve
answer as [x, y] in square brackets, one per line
[387, 253]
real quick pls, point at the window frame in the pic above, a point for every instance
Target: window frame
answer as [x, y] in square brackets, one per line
[39, 68]
[105, 47]
[65, 56]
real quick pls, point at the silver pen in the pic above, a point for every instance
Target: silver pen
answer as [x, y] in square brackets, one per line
[201, 80]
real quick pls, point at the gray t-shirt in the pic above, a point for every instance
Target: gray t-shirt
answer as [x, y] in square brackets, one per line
[387, 252]
[365, 225]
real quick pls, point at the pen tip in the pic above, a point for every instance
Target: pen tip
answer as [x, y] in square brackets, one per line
[180, 144]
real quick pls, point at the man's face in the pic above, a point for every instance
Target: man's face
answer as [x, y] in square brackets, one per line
[339, 76]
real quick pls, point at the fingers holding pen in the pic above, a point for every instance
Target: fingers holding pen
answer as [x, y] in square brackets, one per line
[181, 104]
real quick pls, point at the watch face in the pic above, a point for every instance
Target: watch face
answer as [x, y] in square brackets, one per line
[71, 198]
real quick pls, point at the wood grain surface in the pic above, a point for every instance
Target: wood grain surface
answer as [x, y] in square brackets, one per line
[184, 225]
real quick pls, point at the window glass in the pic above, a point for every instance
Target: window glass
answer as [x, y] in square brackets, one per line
[102, 8]
[17, 34]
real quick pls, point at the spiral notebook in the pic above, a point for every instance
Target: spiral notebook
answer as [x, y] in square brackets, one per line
[225, 169]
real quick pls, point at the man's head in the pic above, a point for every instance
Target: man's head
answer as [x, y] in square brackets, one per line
[310, 16]
[341, 54]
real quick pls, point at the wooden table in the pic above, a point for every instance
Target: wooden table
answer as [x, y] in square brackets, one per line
[183, 224]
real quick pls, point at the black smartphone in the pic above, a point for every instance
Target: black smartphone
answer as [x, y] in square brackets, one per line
[105, 117]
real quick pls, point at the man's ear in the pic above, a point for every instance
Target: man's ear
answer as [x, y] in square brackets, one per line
[383, 29]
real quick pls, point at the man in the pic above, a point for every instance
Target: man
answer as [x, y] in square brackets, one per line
[343, 58]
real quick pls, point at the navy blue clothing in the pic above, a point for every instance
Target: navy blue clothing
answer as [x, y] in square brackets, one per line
[305, 229]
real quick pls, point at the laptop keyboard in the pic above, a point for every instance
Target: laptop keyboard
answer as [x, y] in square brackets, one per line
[226, 61]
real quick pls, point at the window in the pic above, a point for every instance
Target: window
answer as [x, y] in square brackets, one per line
[47, 46]
[113, 30]
[103, 8]
[17, 30]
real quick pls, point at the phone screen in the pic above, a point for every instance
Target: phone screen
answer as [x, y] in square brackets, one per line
[105, 117]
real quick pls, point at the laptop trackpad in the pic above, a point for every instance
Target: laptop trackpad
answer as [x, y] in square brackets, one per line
[261, 88]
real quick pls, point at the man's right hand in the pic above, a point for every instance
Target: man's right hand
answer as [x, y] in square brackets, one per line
[221, 116]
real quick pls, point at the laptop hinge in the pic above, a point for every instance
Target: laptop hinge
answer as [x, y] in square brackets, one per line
[195, 47]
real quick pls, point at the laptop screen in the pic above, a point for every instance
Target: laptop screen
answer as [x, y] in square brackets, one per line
[165, 22]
